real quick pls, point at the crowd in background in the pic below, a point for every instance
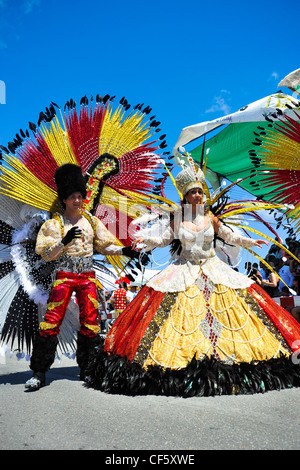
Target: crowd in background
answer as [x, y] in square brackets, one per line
[115, 302]
[283, 267]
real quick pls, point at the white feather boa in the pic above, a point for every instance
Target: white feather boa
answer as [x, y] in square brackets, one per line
[22, 267]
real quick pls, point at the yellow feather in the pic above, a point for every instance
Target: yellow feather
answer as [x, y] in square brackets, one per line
[246, 209]
[173, 181]
[275, 242]
[58, 142]
[19, 183]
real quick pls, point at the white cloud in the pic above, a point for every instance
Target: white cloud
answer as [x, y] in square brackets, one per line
[273, 76]
[220, 104]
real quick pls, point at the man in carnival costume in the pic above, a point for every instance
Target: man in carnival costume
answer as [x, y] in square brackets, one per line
[70, 239]
[109, 167]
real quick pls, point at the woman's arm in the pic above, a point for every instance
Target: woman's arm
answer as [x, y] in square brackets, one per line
[272, 281]
[160, 241]
[234, 238]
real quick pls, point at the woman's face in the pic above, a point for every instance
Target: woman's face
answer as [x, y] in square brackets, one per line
[194, 196]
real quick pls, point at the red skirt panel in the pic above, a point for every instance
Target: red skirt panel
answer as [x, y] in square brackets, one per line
[284, 322]
[127, 331]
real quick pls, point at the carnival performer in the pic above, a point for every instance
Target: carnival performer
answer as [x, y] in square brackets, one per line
[198, 327]
[120, 155]
[70, 238]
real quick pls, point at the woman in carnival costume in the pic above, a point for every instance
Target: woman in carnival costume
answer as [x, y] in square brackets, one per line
[198, 327]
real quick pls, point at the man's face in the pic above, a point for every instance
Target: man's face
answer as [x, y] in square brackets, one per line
[74, 201]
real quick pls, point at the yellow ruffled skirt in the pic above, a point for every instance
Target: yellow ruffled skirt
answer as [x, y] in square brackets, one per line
[227, 326]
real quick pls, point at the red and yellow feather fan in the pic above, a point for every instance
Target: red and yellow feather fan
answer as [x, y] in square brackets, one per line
[279, 157]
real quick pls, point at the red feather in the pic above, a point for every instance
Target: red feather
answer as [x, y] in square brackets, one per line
[36, 156]
[84, 132]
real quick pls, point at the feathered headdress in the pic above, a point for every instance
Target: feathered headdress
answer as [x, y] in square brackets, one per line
[188, 179]
[191, 176]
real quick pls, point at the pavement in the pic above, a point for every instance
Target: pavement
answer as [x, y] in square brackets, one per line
[65, 415]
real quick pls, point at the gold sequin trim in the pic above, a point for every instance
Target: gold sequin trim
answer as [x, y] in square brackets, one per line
[154, 327]
[58, 282]
[94, 301]
[90, 219]
[47, 326]
[258, 310]
[94, 328]
[59, 218]
[52, 305]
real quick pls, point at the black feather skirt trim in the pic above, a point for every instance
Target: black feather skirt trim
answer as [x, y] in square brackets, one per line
[208, 377]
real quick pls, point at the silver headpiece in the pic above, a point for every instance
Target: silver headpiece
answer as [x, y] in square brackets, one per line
[191, 177]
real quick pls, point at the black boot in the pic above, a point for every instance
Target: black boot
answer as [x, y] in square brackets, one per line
[37, 381]
[85, 345]
[43, 355]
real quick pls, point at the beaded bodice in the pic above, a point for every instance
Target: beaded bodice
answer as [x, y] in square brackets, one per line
[197, 242]
[197, 255]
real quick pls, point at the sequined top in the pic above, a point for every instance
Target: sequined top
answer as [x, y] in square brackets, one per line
[120, 298]
[94, 236]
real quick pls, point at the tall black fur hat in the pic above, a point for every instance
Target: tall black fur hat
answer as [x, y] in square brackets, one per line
[69, 179]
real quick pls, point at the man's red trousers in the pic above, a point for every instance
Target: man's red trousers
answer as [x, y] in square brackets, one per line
[84, 286]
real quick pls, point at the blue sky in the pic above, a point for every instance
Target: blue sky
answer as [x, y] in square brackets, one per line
[190, 61]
